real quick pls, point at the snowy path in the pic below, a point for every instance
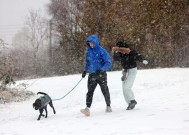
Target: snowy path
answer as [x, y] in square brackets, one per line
[162, 109]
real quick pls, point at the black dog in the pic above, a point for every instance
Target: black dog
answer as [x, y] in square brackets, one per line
[41, 104]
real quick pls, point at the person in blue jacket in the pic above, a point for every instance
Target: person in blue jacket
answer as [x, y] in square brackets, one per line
[97, 62]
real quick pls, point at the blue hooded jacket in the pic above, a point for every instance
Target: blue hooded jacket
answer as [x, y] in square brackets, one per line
[96, 58]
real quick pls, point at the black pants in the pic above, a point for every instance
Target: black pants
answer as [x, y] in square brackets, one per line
[93, 80]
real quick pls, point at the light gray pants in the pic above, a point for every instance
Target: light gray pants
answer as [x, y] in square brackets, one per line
[128, 83]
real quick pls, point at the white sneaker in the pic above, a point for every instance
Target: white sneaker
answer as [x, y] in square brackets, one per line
[108, 109]
[85, 111]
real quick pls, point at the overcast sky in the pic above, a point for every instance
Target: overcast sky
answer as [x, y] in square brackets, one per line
[13, 13]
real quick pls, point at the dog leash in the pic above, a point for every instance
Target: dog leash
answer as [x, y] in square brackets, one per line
[68, 92]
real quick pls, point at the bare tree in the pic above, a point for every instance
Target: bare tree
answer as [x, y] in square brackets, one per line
[31, 46]
[38, 33]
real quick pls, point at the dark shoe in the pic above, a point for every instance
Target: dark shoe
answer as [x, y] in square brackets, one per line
[131, 105]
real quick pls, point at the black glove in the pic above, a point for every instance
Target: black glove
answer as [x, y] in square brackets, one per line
[84, 74]
[124, 75]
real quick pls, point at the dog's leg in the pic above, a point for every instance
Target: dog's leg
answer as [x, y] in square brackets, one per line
[51, 105]
[46, 111]
[40, 114]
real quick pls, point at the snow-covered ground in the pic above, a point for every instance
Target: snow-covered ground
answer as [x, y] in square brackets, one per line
[162, 109]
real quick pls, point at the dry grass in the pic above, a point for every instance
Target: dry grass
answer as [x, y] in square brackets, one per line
[8, 95]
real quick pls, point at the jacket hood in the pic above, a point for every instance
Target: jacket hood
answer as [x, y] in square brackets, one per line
[94, 39]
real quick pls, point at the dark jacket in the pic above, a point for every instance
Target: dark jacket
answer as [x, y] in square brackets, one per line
[128, 61]
[97, 58]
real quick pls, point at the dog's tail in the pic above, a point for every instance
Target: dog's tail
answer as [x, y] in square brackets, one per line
[42, 93]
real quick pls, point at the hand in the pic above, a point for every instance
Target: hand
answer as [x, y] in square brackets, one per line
[122, 50]
[145, 62]
[124, 75]
[123, 78]
[84, 74]
[115, 49]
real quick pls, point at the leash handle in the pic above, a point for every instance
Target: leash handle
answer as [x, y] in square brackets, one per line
[68, 92]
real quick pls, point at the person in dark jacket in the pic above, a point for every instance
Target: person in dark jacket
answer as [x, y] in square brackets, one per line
[128, 59]
[97, 62]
